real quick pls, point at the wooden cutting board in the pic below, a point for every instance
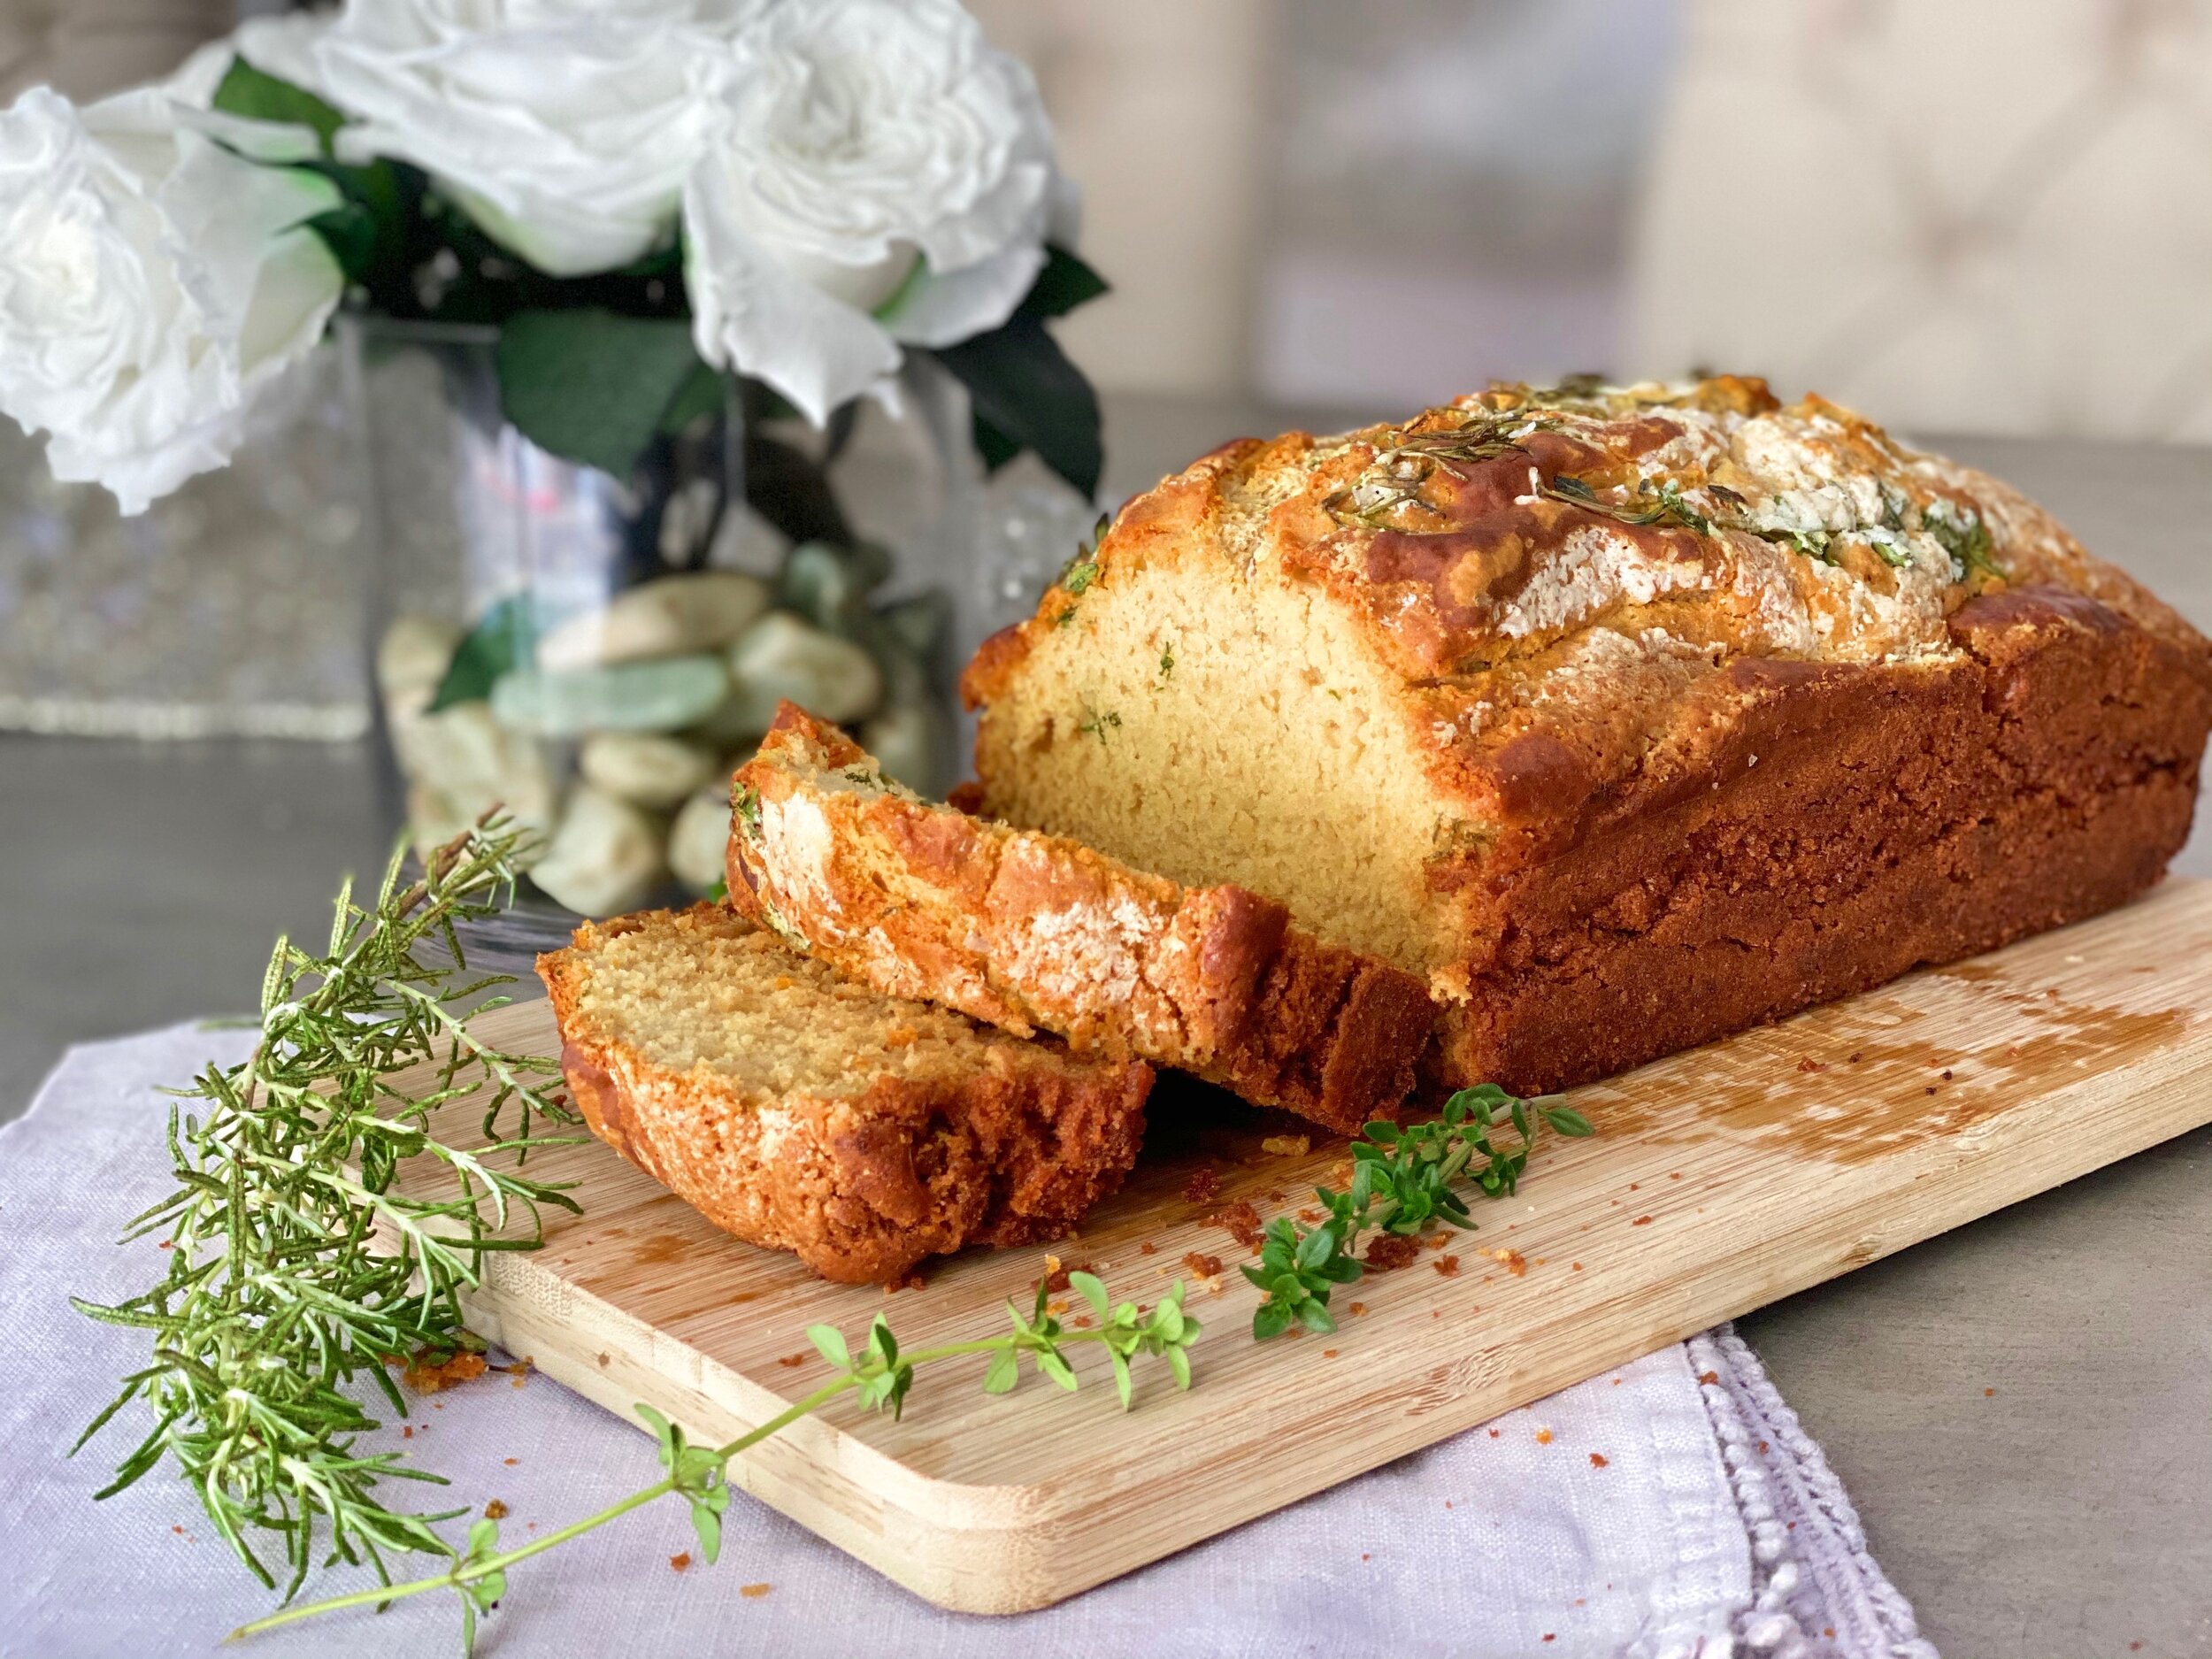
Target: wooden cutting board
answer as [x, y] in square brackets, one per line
[1719, 1180]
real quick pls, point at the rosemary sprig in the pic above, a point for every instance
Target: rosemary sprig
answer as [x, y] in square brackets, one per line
[1403, 1179]
[295, 1263]
[1082, 571]
[1397, 474]
[881, 1377]
[1962, 533]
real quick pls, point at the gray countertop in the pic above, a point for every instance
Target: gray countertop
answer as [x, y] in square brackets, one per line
[2069, 1511]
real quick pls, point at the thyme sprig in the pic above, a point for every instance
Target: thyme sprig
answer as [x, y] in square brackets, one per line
[295, 1265]
[1403, 1177]
[881, 1377]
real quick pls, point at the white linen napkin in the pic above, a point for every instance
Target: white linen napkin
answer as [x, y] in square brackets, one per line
[1668, 1509]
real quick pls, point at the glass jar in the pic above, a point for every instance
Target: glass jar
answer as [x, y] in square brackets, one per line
[595, 655]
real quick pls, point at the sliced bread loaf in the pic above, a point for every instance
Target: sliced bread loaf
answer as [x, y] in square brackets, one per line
[1033, 931]
[804, 1113]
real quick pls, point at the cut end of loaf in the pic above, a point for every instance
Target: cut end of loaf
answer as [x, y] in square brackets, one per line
[1039, 932]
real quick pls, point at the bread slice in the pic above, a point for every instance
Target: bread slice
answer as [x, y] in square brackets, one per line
[1035, 932]
[804, 1113]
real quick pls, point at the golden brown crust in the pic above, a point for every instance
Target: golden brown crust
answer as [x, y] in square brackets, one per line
[1037, 932]
[1566, 563]
[1853, 823]
[1010, 1146]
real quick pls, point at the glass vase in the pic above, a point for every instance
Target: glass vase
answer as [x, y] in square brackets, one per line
[595, 655]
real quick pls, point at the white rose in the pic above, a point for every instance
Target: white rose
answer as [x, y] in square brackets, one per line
[875, 172]
[282, 46]
[564, 127]
[155, 281]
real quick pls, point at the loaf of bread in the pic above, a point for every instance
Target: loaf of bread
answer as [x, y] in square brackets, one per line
[806, 1113]
[1033, 932]
[1625, 717]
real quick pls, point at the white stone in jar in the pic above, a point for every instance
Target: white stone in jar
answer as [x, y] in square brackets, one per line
[460, 762]
[782, 657]
[699, 841]
[646, 768]
[412, 657]
[605, 856]
[672, 616]
[663, 696]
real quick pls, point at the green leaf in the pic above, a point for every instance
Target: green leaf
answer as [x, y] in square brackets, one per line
[993, 446]
[1087, 1287]
[1122, 1384]
[1064, 283]
[704, 392]
[1568, 1121]
[829, 1342]
[1269, 1319]
[1179, 1362]
[708, 1525]
[1020, 381]
[1316, 1248]
[257, 96]
[350, 231]
[590, 386]
[1005, 1371]
[505, 637]
[1053, 1366]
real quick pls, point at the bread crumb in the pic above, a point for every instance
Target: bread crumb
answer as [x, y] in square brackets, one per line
[791, 1362]
[1810, 1064]
[429, 1373]
[1241, 1222]
[1357, 1308]
[1437, 1241]
[1055, 1278]
[1448, 1265]
[1203, 1186]
[754, 1592]
[1709, 1377]
[1543, 1437]
[496, 1511]
[1989, 1394]
[1288, 1146]
[1640, 1221]
[1389, 1251]
[680, 1562]
[1597, 1459]
[1204, 1266]
[510, 1462]
[1574, 1267]
[1148, 1249]
[1512, 1261]
[1328, 1353]
[1494, 1434]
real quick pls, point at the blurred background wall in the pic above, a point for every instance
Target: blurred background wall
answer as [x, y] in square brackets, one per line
[1965, 215]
